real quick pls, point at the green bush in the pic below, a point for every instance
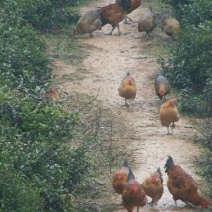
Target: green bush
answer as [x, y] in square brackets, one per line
[197, 13]
[190, 67]
[43, 14]
[190, 62]
[44, 172]
[22, 55]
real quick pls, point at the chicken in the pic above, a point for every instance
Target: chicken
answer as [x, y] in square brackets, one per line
[133, 194]
[170, 25]
[147, 21]
[114, 13]
[169, 114]
[89, 23]
[182, 186]
[162, 87]
[53, 95]
[127, 89]
[153, 186]
[120, 178]
[134, 4]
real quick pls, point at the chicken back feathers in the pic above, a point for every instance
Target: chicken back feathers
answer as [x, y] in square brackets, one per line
[153, 186]
[147, 22]
[168, 114]
[182, 186]
[133, 194]
[89, 22]
[170, 25]
[114, 13]
[120, 178]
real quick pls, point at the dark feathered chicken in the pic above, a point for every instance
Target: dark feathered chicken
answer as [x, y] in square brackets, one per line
[133, 194]
[182, 186]
[114, 13]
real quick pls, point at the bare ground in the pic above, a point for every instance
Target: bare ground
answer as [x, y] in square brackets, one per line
[108, 60]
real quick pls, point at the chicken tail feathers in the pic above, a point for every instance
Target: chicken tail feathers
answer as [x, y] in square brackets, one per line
[125, 164]
[125, 4]
[169, 163]
[159, 172]
[131, 175]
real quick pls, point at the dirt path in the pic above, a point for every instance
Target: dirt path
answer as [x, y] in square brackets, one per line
[110, 58]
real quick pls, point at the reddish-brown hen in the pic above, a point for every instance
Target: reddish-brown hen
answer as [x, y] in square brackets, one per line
[114, 13]
[153, 186]
[120, 178]
[169, 114]
[133, 194]
[182, 186]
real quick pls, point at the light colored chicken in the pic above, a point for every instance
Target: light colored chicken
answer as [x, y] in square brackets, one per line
[127, 89]
[169, 114]
[182, 186]
[89, 23]
[133, 194]
[147, 22]
[120, 178]
[162, 87]
[153, 186]
[170, 25]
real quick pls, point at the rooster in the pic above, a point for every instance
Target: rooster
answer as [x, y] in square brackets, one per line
[182, 186]
[133, 194]
[89, 23]
[153, 186]
[127, 89]
[162, 87]
[169, 114]
[114, 13]
[120, 178]
[134, 4]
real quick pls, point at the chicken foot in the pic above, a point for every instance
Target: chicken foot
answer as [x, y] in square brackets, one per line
[125, 20]
[168, 133]
[189, 204]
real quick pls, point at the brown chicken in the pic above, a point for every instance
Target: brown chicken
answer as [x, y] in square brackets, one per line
[89, 23]
[134, 4]
[182, 186]
[153, 186]
[169, 114]
[52, 94]
[120, 178]
[162, 87]
[147, 22]
[114, 13]
[127, 89]
[170, 25]
[133, 194]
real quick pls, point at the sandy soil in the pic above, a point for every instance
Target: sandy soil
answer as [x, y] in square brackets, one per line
[109, 59]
